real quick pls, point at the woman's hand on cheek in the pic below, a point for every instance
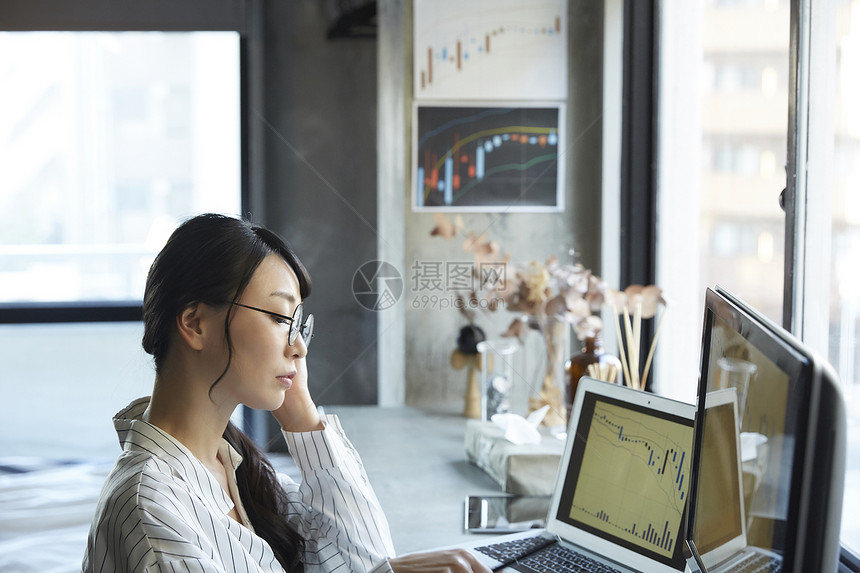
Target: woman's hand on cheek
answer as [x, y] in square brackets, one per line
[298, 413]
[450, 561]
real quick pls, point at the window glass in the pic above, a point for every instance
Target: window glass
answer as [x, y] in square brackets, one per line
[723, 138]
[723, 156]
[744, 119]
[844, 318]
[107, 140]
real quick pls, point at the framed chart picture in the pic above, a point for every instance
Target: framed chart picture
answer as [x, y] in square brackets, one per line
[507, 50]
[484, 157]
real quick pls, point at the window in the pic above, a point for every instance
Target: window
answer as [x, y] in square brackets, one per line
[107, 141]
[723, 141]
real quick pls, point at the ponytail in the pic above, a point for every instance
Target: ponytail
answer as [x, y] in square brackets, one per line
[265, 501]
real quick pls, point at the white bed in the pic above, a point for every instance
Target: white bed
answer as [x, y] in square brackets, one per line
[46, 508]
[45, 513]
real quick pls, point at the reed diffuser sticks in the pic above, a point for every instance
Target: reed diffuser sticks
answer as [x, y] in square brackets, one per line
[633, 305]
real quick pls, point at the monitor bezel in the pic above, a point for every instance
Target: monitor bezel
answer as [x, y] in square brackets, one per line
[791, 357]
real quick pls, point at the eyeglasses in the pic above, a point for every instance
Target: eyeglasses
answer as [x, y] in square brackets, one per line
[297, 327]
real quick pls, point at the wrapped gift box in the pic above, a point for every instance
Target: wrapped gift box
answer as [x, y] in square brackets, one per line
[528, 469]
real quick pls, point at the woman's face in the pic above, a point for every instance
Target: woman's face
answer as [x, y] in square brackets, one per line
[264, 362]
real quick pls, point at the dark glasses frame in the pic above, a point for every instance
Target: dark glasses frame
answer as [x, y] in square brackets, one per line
[297, 326]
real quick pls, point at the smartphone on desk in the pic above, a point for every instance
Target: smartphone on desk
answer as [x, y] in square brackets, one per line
[505, 513]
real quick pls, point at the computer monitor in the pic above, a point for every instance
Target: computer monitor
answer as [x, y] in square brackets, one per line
[791, 432]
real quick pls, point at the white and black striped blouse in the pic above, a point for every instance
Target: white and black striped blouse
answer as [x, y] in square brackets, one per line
[161, 509]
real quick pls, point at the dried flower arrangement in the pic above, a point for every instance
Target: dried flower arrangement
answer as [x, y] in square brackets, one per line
[548, 297]
[551, 295]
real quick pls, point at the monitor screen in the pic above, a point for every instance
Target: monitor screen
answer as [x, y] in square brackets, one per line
[783, 434]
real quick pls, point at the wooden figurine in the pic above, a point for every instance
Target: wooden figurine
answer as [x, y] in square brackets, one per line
[466, 356]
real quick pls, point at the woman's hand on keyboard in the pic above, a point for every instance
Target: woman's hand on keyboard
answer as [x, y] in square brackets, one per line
[449, 561]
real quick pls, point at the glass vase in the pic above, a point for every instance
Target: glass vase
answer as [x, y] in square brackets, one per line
[549, 382]
[497, 376]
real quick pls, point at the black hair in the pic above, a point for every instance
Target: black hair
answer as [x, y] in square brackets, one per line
[210, 259]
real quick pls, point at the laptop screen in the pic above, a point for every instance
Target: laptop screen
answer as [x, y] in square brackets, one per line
[719, 503]
[628, 475]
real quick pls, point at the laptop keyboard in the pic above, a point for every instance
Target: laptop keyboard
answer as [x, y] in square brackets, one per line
[558, 559]
[553, 559]
[510, 550]
[758, 563]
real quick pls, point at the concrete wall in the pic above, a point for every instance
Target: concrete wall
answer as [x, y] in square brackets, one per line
[431, 331]
[320, 185]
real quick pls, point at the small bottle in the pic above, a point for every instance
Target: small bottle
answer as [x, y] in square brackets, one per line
[603, 366]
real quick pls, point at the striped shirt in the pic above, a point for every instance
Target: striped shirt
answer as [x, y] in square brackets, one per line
[161, 509]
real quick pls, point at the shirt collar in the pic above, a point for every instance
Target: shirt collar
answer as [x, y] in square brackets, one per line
[137, 435]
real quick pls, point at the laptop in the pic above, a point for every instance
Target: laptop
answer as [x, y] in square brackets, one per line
[620, 494]
[718, 538]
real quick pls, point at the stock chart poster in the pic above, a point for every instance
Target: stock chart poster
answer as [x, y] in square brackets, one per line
[505, 50]
[490, 159]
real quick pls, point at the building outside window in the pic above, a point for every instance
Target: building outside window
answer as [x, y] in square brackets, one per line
[107, 140]
[723, 146]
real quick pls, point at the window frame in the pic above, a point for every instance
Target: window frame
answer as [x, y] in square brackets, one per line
[240, 16]
[809, 163]
[638, 185]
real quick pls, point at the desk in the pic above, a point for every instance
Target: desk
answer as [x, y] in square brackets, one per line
[416, 462]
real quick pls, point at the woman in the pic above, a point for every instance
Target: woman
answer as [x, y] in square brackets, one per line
[223, 320]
